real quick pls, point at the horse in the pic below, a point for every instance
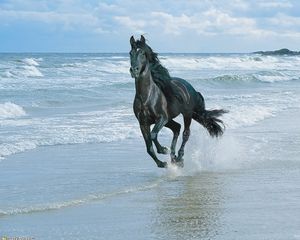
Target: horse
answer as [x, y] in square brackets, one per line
[160, 98]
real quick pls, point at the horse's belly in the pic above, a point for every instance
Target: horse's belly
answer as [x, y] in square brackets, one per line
[173, 109]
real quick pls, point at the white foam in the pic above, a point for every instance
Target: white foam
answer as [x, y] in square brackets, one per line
[209, 154]
[27, 67]
[174, 171]
[230, 62]
[84, 127]
[249, 109]
[274, 78]
[31, 61]
[11, 110]
[107, 66]
[7, 149]
[240, 116]
[8, 74]
[31, 71]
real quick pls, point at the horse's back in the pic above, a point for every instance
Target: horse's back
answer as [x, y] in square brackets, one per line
[184, 98]
[185, 90]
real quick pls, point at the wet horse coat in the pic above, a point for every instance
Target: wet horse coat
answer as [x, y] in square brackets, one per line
[160, 98]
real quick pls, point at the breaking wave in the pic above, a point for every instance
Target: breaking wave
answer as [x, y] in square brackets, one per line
[31, 62]
[11, 110]
[27, 67]
[85, 127]
[259, 77]
[231, 62]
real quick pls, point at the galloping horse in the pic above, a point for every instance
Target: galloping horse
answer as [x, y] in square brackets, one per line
[159, 98]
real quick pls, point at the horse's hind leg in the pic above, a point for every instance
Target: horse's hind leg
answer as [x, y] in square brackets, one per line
[175, 127]
[185, 138]
[147, 137]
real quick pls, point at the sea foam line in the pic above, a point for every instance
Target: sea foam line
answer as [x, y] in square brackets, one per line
[77, 202]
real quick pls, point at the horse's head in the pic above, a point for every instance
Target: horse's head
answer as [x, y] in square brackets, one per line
[139, 57]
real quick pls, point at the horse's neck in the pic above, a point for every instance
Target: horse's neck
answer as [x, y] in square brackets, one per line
[144, 86]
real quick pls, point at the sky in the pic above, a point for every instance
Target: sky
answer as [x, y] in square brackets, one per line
[207, 26]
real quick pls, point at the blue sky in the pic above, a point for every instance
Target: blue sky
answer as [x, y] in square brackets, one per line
[168, 25]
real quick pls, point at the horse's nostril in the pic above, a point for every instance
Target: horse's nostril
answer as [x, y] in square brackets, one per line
[136, 69]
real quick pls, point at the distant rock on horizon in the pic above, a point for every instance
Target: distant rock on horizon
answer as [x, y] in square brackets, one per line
[283, 51]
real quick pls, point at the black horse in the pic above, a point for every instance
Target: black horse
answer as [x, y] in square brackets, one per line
[159, 98]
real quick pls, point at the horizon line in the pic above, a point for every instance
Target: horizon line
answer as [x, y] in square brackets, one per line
[60, 52]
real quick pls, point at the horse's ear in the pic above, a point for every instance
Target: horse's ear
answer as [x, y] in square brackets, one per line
[132, 42]
[143, 40]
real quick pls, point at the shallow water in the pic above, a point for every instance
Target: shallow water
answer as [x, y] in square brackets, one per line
[73, 163]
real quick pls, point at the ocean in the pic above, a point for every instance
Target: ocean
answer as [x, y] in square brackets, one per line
[73, 163]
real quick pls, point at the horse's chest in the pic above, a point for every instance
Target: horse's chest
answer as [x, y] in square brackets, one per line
[147, 111]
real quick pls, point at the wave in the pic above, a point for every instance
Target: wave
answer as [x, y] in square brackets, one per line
[115, 69]
[249, 109]
[84, 127]
[27, 67]
[104, 66]
[31, 71]
[117, 124]
[243, 116]
[258, 77]
[7, 149]
[11, 110]
[275, 76]
[231, 62]
[31, 61]
[79, 201]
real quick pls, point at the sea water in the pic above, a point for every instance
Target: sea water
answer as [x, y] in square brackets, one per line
[69, 140]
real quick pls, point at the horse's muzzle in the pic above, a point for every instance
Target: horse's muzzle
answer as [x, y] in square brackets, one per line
[135, 72]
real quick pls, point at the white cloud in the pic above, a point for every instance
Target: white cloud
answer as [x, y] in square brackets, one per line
[134, 25]
[68, 20]
[222, 22]
[172, 24]
[189, 21]
[275, 4]
[282, 20]
[203, 18]
[210, 22]
[240, 4]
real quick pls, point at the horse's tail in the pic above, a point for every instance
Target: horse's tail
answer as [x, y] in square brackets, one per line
[209, 118]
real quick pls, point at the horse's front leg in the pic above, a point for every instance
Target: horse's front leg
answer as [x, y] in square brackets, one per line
[157, 127]
[185, 138]
[145, 129]
[160, 149]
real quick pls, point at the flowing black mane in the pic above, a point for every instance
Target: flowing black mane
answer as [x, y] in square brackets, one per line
[159, 73]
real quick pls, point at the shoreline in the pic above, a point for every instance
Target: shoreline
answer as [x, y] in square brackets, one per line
[121, 194]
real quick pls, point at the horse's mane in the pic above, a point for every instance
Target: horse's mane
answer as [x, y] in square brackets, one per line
[159, 73]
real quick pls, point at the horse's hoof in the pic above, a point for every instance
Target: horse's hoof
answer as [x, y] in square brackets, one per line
[179, 163]
[162, 164]
[163, 150]
[173, 159]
